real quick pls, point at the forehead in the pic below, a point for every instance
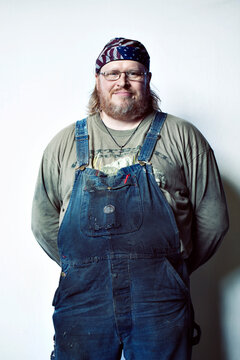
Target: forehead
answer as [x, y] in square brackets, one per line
[123, 65]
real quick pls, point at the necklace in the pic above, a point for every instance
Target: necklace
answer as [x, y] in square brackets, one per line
[122, 146]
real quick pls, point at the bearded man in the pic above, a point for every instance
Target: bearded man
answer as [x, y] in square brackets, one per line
[128, 202]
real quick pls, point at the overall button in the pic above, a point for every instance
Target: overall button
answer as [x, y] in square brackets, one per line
[108, 209]
[114, 275]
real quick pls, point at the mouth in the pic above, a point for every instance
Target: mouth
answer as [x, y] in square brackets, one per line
[123, 93]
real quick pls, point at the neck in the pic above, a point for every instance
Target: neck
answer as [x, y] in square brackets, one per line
[116, 124]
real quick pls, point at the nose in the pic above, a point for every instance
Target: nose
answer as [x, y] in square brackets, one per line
[123, 80]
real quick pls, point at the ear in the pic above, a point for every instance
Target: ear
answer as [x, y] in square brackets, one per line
[148, 79]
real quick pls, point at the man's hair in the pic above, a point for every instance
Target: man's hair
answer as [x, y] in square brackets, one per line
[94, 102]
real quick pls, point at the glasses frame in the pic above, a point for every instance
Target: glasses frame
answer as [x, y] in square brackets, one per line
[123, 72]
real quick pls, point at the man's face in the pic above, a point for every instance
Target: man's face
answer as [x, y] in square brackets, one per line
[123, 98]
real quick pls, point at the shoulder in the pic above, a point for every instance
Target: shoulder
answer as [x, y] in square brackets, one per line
[62, 144]
[183, 129]
[62, 141]
[62, 136]
[185, 136]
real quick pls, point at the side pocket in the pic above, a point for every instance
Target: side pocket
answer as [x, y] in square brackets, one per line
[55, 297]
[177, 277]
[63, 275]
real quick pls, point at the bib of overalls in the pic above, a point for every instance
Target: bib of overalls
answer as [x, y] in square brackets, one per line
[120, 251]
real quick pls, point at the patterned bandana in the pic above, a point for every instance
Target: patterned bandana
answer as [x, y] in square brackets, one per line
[123, 49]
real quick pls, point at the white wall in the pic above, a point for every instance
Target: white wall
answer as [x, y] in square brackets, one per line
[47, 54]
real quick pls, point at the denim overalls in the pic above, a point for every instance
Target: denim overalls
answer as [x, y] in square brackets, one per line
[123, 284]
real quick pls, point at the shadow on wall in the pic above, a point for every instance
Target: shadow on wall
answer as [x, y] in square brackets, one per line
[214, 289]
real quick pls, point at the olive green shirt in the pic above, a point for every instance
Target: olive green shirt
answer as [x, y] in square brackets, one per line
[184, 167]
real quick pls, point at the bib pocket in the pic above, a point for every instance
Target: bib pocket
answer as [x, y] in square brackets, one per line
[110, 205]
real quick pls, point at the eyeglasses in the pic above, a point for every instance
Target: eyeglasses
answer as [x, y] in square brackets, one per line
[131, 75]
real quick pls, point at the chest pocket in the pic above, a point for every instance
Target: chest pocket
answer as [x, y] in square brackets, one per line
[110, 205]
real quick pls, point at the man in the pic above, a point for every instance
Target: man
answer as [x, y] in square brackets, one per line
[134, 197]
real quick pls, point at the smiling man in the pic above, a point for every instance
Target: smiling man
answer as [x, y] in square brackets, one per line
[128, 202]
[123, 92]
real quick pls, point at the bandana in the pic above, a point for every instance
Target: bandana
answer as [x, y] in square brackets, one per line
[123, 49]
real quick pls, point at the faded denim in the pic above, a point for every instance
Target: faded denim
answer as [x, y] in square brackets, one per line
[124, 285]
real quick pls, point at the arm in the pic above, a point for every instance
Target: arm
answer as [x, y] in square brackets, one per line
[210, 215]
[53, 189]
[46, 207]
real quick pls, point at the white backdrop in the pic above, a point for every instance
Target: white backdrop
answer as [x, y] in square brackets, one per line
[47, 54]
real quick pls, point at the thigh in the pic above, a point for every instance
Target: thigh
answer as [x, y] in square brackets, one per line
[168, 343]
[85, 339]
[161, 315]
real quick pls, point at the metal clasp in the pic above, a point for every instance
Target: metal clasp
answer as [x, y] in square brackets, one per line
[82, 167]
[143, 163]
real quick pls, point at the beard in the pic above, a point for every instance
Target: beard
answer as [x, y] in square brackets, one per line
[129, 109]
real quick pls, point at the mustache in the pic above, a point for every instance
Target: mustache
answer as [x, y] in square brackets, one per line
[115, 91]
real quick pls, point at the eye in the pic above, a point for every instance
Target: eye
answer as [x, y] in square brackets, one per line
[113, 73]
[134, 73]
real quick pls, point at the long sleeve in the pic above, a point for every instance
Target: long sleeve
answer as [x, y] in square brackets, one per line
[46, 208]
[210, 216]
[53, 190]
[191, 183]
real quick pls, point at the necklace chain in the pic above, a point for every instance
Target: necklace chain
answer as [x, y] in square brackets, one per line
[122, 146]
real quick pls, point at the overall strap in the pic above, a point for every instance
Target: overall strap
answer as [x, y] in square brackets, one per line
[81, 137]
[152, 137]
